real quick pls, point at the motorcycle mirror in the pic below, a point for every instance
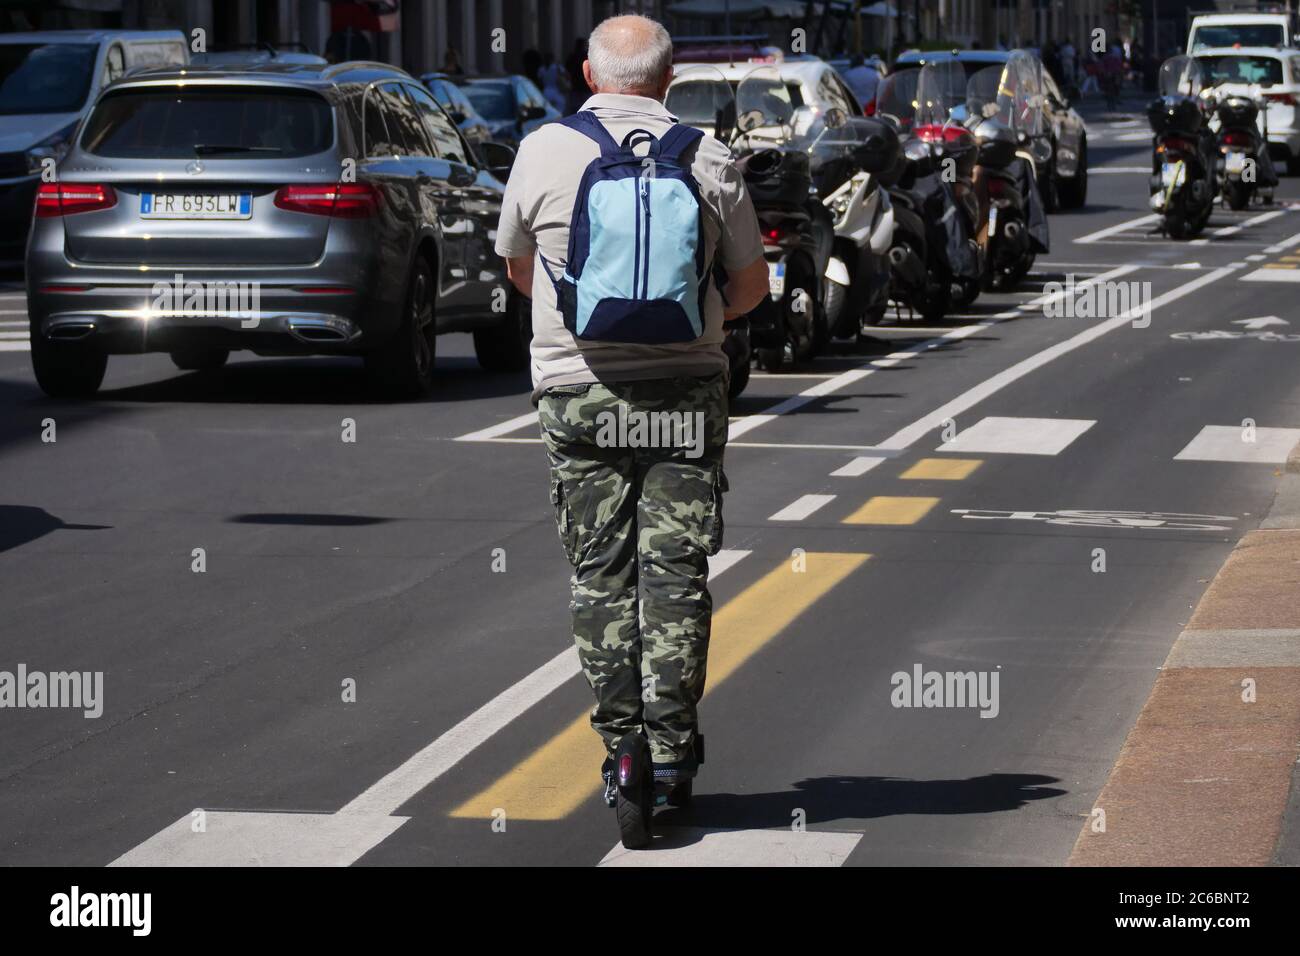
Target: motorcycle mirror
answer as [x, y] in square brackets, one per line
[836, 118]
[752, 119]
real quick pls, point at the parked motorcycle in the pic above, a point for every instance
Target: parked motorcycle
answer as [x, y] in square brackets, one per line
[847, 156]
[1183, 184]
[1004, 112]
[701, 97]
[798, 230]
[934, 248]
[1243, 167]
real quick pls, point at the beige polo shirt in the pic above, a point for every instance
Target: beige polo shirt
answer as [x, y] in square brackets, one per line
[536, 213]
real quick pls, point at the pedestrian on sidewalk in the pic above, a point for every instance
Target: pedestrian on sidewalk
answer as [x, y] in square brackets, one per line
[637, 522]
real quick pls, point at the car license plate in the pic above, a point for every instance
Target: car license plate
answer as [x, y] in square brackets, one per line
[1235, 163]
[196, 205]
[776, 278]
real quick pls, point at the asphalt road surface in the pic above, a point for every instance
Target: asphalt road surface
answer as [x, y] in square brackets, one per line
[1077, 444]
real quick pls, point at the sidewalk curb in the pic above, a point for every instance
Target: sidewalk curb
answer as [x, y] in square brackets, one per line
[1208, 775]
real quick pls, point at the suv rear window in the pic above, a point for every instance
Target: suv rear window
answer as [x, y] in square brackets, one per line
[1237, 34]
[1239, 68]
[232, 123]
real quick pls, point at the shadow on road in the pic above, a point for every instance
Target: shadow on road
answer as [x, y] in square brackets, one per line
[314, 381]
[318, 520]
[21, 524]
[831, 799]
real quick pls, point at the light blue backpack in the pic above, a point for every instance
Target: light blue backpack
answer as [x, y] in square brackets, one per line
[636, 271]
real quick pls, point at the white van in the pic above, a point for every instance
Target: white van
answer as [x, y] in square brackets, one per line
[48, 82]
[1240, 29]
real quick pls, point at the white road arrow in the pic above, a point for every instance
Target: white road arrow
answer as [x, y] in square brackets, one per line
[1263, 322]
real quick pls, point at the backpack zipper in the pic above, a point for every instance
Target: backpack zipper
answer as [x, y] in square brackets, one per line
[645, 273]
[636, 249]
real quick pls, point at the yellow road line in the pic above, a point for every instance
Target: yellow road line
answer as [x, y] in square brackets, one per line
[555, 779]
[942, 469]
[884, 509]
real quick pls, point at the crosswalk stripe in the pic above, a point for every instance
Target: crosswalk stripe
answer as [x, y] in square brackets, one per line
[1233, 443]
[802, 507]
[1019, 436]
[15, 346]
[856, 467]
[699, 846]
[560, 775]
[890, 509]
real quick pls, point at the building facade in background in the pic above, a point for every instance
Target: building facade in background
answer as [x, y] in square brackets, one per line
[492, 35]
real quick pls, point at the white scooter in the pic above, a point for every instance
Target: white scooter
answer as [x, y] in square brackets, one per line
[857, 288]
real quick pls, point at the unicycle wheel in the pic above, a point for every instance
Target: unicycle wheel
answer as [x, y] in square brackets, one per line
[634, 807]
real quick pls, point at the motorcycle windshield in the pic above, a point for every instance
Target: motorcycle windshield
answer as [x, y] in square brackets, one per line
[983, 95]
[700, 96]
[764, 109]
[831, 141]
[896, 97]
[1181, 76]
[941, 94]
[1022, 88]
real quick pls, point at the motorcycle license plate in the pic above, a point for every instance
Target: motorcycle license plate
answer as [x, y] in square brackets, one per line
[1235, 163]
[1172, 174]
[776, 278]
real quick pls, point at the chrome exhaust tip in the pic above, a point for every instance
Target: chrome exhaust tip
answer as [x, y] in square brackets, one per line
[321, 331]
[70, 330]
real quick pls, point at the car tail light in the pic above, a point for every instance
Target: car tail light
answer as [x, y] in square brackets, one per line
[341, 200]
[1236, 137]
[64, 199]
[1285, 98]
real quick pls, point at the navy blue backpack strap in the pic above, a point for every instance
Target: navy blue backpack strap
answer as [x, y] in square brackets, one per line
[585, 122]
[676, 141]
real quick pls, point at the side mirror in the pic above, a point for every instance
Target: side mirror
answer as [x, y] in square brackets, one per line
[498, 158]
[531, 113]
[836, 118]
[460, 176]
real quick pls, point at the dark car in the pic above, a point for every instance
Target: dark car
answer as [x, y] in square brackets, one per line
[457, 105]
[512, 105]
[286, 210]
[1063, 175]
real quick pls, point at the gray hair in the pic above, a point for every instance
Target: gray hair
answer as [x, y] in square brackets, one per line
[629, 54]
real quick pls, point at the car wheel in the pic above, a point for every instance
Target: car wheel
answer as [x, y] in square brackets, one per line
[1074, 191]
[504, 346]
[195, 359]
[1051, 190]
[403, 366]
[66, 369]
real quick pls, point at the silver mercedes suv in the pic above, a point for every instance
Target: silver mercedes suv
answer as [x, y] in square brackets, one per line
[281, 209]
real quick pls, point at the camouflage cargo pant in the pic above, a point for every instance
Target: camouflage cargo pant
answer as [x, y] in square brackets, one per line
[638, 524]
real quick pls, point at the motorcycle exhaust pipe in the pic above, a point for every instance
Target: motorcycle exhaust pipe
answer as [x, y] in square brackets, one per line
[1011, 229]
[907, 266]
